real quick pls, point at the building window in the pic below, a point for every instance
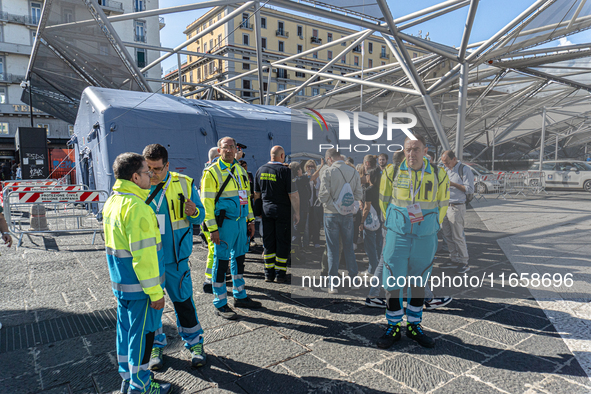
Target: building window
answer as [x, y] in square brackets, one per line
[67, 15]
[140, 31]
[265, 86]
[344, 59]
[300, 31]
[300, 74]
[370, 63]
[281, 29]
[315, 55]
[329, 55]
[245, 66]
[205, 47]
[3, 128]
[190, 58]
[370, 47]
[314, 91]
[220, 41]
[281, 46]
[35, 13]
[140, 56]
[104, 50]
[414, 54]
[300, 92]
[246, 87]
[71, 129]
[44, 126]
[383, 52]
[264, 42]
[315, 33]
[344, 43]
[139, 5]
[211, 45]
[300, 48]
[245, 39]
[282, 73]
[263, 23]
[329, 37]
[2, 95]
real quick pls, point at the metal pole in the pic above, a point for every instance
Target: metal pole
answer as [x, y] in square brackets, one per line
[542, 138]
[259, 49]
[269, 69]
[178, 60]
[362, 60]
[556, 149]
[462, 102]
[30, 100]
[493, 153]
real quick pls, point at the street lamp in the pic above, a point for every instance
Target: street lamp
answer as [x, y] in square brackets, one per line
[24, 85]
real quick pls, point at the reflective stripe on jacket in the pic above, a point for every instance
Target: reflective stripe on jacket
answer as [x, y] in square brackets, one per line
[395, 197]
[180, 238]
[133, 244]
[213, 179]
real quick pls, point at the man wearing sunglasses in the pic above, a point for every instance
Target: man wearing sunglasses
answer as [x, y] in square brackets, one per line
[175, 200]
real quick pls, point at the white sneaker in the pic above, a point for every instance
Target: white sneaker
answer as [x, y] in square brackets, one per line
[375, 302]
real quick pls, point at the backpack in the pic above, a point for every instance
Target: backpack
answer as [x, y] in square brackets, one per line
[345, 203]
[469, 197]
[372, 222]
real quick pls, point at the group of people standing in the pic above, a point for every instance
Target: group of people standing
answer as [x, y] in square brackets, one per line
[149, 219]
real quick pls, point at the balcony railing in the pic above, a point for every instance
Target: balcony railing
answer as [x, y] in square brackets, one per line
[282, 74]
[11, 78]
[140, 38]
[384, 55]
[22, 19]
[315, 40]
[246, 25]
[281, 33]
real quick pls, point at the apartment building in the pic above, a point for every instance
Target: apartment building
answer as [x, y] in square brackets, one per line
[283, 34]
[18, 26]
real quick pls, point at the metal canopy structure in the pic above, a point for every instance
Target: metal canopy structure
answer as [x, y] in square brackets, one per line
[490, 102]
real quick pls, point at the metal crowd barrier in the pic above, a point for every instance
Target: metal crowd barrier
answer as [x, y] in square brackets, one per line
[507, 184]
[50, 211]
[487, 185]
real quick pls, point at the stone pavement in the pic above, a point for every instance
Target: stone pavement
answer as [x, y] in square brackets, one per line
[58, 314]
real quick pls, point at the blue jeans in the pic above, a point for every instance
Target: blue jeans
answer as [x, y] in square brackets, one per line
[339, 226]
[373, 244]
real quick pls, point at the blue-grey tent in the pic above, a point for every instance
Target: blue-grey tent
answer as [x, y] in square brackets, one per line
[110, 122]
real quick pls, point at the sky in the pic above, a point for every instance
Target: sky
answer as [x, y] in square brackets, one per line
[491, 16]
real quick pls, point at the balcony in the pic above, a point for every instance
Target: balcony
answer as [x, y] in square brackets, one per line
[245, 25]
[281, 33]
[140, 38]
[315, 40]
[384, 55]
[161, 23]
[357, 49]
[20, 19]
[11, 78]
[111, 6]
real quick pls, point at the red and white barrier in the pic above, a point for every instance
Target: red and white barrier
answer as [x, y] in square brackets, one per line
[58, 196]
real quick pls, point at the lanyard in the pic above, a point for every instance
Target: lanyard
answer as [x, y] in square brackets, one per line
[239, 181]
[163, 193]
[412, 191]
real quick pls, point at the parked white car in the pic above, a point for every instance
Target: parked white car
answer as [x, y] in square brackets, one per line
[565, 174]
[483, 187]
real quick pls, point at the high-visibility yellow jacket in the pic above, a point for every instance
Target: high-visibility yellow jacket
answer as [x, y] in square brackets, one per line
[178, 236]
[213, 179]
[395, 197]
[133, 244]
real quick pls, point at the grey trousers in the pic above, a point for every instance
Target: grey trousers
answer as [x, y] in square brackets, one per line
[453, 233]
